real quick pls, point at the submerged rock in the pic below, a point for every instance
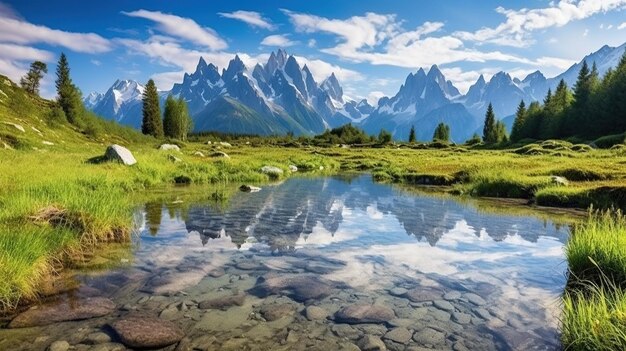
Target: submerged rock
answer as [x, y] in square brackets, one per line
[300, 287]
[120, 154]
[400, 335]
[277, 311]
[223, 303]
[61, 345]
[315, 313]
[429, 336]
[422, 294]
[63, 311]
[371, 343]
[357, 314]
[146, 332]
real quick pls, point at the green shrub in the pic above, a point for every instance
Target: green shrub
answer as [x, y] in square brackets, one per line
[606, 142]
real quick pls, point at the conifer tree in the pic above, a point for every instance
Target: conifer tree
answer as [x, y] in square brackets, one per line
[520, 119]
[151, 124]
[489, 130]
[68, 95]
[442, 133]
[30, 82]
[501, 132]
[412, 135]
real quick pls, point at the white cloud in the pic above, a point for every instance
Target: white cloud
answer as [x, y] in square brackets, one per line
[555, 62]
[520, 23]
[586, 32]
[279, 40]
[165, 80]
[622, 26]
[183, 28]
[252, 18]
[463, 80]
[96, 62]
[312, 42]
[15, 59]
[378, 39]
[322, 70]
[20, 32]
[374, 96]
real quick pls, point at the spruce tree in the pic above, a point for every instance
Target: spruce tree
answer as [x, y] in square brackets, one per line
[442, 133]
[518, 125]
[577, 121]
[185, 122]
[151, 124]
[501, 132]
[30, 82]
[412, 135]
[68, 95]
[169, 118]
[489, 130]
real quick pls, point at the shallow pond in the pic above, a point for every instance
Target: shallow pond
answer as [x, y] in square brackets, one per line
[329, 264]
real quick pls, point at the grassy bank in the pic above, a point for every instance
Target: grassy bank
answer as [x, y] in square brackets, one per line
[594, 305]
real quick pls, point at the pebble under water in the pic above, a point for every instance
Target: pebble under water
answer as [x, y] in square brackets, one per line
[338, 263]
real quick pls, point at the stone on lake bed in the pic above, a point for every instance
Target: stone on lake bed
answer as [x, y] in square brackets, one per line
[443, 305]
[300, 287]
[475, 299]
[452, 295]
[138, 331]
[63, 311]
[316, 313]
[400, 335]
[423, 294]
[358, 314]
[249, 188]
[461, 318]
[61, 345]
[398, 291]
[277, 311]
[223, 303]
[429, 336]
[120, 154]
[371, 343]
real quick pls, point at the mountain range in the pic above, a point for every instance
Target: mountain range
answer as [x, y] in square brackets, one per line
[283, 97]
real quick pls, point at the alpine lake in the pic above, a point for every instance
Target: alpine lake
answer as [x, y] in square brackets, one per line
[326, 263]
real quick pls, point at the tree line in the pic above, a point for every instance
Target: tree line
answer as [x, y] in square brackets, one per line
[596, 107]
[176, 122]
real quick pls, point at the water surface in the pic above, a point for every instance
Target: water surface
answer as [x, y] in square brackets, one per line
[455, 276]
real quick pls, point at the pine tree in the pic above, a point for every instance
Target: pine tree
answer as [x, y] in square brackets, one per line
[518, 125]
[412, 135]
[442, 133]
[151, 124]
[578, 120]
[68, 95]
[30, 82]
[556, 112]
[384, 137]
[489, 130]
[501, 132]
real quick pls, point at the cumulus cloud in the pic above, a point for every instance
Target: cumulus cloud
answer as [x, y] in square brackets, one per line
[252, 18]
[183, 28]
[379, 40]
[279, 40]
[374, 96]
[515, 31]
[21, 32]
[322, 70]
[621, 26]
[15, 59]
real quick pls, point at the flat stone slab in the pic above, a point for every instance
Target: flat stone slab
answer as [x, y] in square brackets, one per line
[429, 336]
[475, 299]
[147, 332]
[400, 335]
[92, 307]
[300, 287]
[423, 294]
[315, 313]
[357, 314]
[277, 311]
[223, 303]
[443, 305]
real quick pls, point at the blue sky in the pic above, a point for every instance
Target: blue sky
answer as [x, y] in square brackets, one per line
[371, 45]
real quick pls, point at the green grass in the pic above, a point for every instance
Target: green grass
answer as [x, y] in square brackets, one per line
[594, 305]
[594, 320]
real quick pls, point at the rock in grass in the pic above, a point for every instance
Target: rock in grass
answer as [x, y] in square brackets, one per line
[173, 158]
[249, 188]
[169, 147]
[560, 181]
[219, 154]
[293, 168]
[63, 311]
[272, 171]
[120, 154]
[225, 144]
[198, 154]
[357, 314]
[146, 332]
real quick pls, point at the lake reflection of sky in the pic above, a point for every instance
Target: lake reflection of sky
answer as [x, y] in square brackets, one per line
[384, 237]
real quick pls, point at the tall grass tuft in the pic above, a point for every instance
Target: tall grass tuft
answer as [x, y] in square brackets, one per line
[597, 248]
